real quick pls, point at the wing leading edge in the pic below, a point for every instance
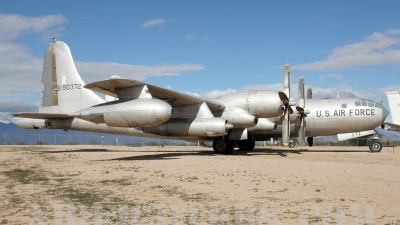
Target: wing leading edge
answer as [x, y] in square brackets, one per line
[174, 98]
[42, 115]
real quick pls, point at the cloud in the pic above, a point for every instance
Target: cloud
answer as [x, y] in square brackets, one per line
[153, 22]
[190, 37]
[92, 71]
[6, 117]
[16, 105]
[21, 71]
[376, 49]
[330, 76]
[344, 90]
[9, 106]
[13, 25]
[217, 93]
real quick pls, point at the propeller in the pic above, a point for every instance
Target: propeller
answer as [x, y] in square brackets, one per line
[309, 93]
[310, 140]
[301, 112]
[285, 97]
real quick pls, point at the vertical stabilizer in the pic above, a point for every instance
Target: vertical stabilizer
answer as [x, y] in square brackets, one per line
[394, 104]
[62, 86]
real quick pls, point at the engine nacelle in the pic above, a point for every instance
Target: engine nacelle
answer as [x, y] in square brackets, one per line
[263, 125]
[29, 123]
[265, 104]
[184, 127]
[240, 119]
[261, 104]
[133, 113]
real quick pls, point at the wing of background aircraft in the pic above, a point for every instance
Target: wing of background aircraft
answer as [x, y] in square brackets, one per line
[394, 106]
[391, 126]
[122, 88]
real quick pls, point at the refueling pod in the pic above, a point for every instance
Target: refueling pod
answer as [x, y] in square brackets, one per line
[133, 113]
[29, 123]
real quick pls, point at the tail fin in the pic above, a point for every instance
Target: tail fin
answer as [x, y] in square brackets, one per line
[394, 104]
[62, 87]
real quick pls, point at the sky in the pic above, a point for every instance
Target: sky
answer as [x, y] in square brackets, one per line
[206, 48]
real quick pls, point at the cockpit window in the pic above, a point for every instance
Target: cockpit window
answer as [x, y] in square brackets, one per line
[358, 103]
[371, 104]
[377, 105]
[364, 103]
[344, 105]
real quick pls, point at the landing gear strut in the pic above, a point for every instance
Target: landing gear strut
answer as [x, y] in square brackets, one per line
[310, 141]
[222, 146]
[246, 145]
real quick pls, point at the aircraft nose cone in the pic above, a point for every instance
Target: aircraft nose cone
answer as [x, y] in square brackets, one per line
[385, 113]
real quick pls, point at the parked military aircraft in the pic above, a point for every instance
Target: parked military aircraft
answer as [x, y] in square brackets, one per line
[394, 105]
[146, 110]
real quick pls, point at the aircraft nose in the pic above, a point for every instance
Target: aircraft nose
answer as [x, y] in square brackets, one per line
[385, 113]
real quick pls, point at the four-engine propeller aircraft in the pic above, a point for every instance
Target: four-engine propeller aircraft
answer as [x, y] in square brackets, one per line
[394, 105]
[146, 110]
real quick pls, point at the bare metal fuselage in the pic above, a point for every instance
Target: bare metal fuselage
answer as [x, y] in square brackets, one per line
[326, 117]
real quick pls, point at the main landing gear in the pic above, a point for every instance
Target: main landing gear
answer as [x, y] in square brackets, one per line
[226, 146]
[374, 144]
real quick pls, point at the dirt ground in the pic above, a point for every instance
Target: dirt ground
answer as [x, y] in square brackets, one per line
[191, 185]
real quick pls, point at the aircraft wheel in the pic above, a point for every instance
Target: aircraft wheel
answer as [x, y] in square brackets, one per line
[222, 146]
[375, 146]
[246, 145]
[310, 141]
[291, 144]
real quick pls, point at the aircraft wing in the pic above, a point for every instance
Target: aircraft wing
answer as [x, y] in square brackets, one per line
[174, 98]
[391, 126]
[42, 115]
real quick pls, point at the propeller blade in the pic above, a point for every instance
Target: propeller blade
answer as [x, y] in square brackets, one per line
[299, 109]
[284, 98]
[301, 92]
[302, 112]
[302, 138]
[286, 79]
[309, 93]
[285, 129]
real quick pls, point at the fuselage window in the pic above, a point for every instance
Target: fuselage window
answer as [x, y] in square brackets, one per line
[344, 105]
[358, 103]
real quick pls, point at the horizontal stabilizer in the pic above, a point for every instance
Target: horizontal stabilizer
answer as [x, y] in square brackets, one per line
[42, 115]
[174, 98]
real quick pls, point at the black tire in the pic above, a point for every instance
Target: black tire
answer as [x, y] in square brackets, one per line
[291, 145]
[375, 146]
[310, 141]
[222, 146]
[246, 145]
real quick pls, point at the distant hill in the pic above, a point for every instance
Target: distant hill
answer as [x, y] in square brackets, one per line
[12, 134]
[6, 127]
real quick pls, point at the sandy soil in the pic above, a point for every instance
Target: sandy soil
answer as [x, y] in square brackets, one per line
[191, 185]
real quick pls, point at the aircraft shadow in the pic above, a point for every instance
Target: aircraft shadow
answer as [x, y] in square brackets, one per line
[172, 154]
